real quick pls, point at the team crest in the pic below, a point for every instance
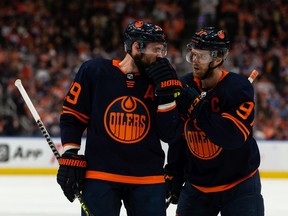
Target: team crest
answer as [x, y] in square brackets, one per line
[199, 145]
[138, 24]
[127, 120]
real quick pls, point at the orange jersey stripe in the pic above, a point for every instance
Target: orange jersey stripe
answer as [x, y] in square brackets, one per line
[124, 179]
[78, 115]
[236, 120]
[74, 111]
[115, 63]
[239, 124]
[223, 187]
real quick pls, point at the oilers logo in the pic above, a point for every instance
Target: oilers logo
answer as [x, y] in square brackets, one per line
[127, 120]
[199, 145]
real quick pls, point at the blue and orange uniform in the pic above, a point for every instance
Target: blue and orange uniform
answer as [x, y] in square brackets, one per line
[219, 148]
[120, 112]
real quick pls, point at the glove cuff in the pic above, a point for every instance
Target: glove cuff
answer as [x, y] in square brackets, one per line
[166, 106]
[73, 161]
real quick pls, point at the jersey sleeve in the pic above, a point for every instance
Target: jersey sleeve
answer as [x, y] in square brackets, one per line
[176, 156]
[233, 126]
[169, 124]
[76, 108]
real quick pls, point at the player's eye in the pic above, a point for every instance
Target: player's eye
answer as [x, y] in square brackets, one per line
[199, 57]
[157, 50]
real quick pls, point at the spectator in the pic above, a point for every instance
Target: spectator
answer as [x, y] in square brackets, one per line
[44, 42]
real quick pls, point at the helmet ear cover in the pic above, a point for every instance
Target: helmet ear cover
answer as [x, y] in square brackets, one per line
[143, 33]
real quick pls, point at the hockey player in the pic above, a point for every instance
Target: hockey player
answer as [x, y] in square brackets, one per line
[115, 102]
[218, 156]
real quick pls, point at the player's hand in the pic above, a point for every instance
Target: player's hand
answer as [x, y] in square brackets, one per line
[165, 79]
[174, 185]
[189, 102]
[71, 173]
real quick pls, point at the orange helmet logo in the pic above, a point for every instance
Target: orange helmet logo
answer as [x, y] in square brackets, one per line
[138, 24]
[127, 120]
[199, 145]
[221, 34]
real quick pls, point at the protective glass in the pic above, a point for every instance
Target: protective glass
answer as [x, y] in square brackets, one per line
[155, 49]
[198, 57]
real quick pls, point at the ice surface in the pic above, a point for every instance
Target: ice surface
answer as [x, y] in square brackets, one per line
[41, 196]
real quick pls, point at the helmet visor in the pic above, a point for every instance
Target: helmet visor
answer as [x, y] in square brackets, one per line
[199, 57]
[155, 49]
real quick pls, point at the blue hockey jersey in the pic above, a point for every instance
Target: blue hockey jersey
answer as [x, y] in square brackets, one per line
[218, 145]
[124, 126]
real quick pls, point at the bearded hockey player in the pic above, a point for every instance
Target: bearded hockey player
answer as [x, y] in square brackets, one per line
[126, 107]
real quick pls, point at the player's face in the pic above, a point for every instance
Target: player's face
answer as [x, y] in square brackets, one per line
[152, 51]
[200, 60]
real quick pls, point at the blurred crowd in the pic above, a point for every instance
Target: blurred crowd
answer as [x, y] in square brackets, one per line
[43, 43]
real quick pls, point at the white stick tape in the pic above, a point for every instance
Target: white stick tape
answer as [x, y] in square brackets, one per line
[27, 100]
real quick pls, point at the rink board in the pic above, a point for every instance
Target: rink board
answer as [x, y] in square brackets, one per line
[26, 155]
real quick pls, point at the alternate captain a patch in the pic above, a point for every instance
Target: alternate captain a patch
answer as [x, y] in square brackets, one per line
[127, 120]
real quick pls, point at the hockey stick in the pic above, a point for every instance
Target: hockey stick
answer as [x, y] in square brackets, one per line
[45, 133]
[253, 75]
[251, 78]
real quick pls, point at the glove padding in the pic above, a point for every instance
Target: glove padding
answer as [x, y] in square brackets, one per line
[189, 102]
[174, 185]
[165, 79]
[71, 174]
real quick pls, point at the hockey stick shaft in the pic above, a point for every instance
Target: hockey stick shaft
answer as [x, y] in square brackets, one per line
[45, 133]
[36, 117]
[251, 78]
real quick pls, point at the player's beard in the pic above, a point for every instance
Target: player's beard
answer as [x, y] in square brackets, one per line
[142, 65]
[202, 72]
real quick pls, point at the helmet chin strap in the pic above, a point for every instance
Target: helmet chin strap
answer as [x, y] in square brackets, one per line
[210, 69]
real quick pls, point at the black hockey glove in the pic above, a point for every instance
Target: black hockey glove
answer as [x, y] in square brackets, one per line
[189, 102]
[167, 84]
[71, 173]
[174, 184]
